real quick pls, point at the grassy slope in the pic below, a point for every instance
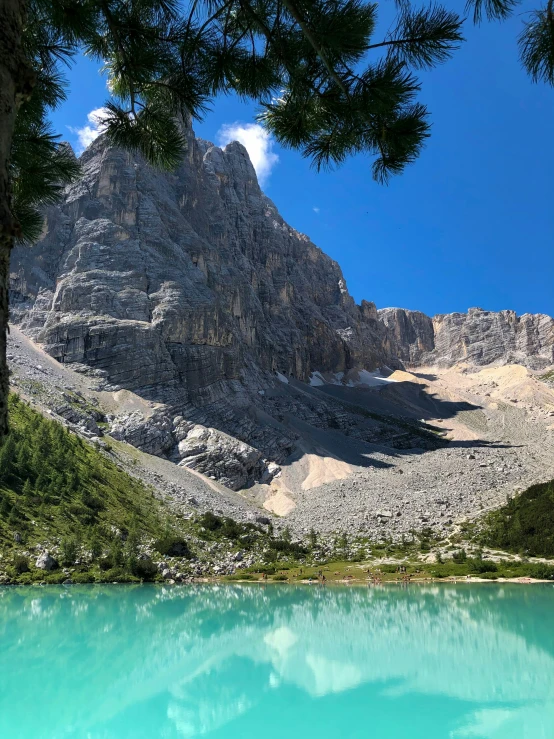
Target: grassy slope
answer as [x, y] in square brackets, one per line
[525, 524]
[56, 488]
[53, 484]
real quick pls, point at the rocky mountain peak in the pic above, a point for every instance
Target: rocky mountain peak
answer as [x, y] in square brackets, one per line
[189, 290]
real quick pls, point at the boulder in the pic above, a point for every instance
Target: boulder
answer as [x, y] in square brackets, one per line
[46, 562]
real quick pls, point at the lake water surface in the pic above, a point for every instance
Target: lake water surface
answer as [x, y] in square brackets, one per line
[277, 662]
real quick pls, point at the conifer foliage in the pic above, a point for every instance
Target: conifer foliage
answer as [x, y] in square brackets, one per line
[325, 84]
[53, 484]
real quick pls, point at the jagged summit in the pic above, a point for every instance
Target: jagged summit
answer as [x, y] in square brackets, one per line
[189, 290]
[479, 337]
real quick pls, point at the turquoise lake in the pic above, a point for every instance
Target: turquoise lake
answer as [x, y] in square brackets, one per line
[277, 662]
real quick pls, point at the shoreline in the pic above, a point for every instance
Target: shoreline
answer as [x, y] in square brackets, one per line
[333, 583]
[412, 581]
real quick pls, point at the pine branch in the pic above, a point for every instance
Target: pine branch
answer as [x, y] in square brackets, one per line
[536, 45]
[491, 9]
[289, 4]
[425, 37]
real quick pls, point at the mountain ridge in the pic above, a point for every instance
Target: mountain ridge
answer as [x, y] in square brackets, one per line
[249, 361]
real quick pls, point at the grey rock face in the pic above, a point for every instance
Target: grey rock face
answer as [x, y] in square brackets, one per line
[411, 333]
[46, 562]
[216, 454]
[483, 337]
[190, 290]
[179, 281]
[477, 337]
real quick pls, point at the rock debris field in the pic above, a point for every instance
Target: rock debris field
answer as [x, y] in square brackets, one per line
[496, 437]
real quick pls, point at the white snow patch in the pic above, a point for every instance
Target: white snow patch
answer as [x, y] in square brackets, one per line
[282, 378]
[353, 378]
[326, 378]
[316, 380]
[367, 379]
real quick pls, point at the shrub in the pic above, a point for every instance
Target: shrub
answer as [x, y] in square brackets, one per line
[280, 577]
[459, 556]
[540, 571]
[105, 564]
[55, 578]
[91, 501]
[82, 513]
[288, 547]
[69, 550]
[220, 526]
[210, 521]
[117, 574]
[270, 556]
[482, 565]
[145, 569]
[173, 546]
[82, 578]
[20, 564]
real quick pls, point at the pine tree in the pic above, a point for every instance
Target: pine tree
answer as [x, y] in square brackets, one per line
[70, 547]
[5, 507]
[286, 536]
[22, 457]
[115, 554]
[342, 544]
[95, 544]
[41, 484]
[14, 516]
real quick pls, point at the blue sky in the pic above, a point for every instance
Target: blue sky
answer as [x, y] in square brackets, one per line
[470, 224]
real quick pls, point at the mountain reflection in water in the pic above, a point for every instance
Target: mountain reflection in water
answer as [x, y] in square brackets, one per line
[239, 661]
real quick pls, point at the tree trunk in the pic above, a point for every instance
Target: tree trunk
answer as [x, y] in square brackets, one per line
[16, 84]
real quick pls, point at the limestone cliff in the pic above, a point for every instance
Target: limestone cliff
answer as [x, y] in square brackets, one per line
[190, 290]
[478, 337]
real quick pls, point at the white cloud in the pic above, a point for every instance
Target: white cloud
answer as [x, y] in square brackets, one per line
[257, 142]
[316, 210]
[88, 133]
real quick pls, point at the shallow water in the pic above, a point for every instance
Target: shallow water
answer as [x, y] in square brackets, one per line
[239, 661]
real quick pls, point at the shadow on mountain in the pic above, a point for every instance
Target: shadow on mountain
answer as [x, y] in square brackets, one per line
[423, 376]
[406, 400]
[335, 445]
[363, 425]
